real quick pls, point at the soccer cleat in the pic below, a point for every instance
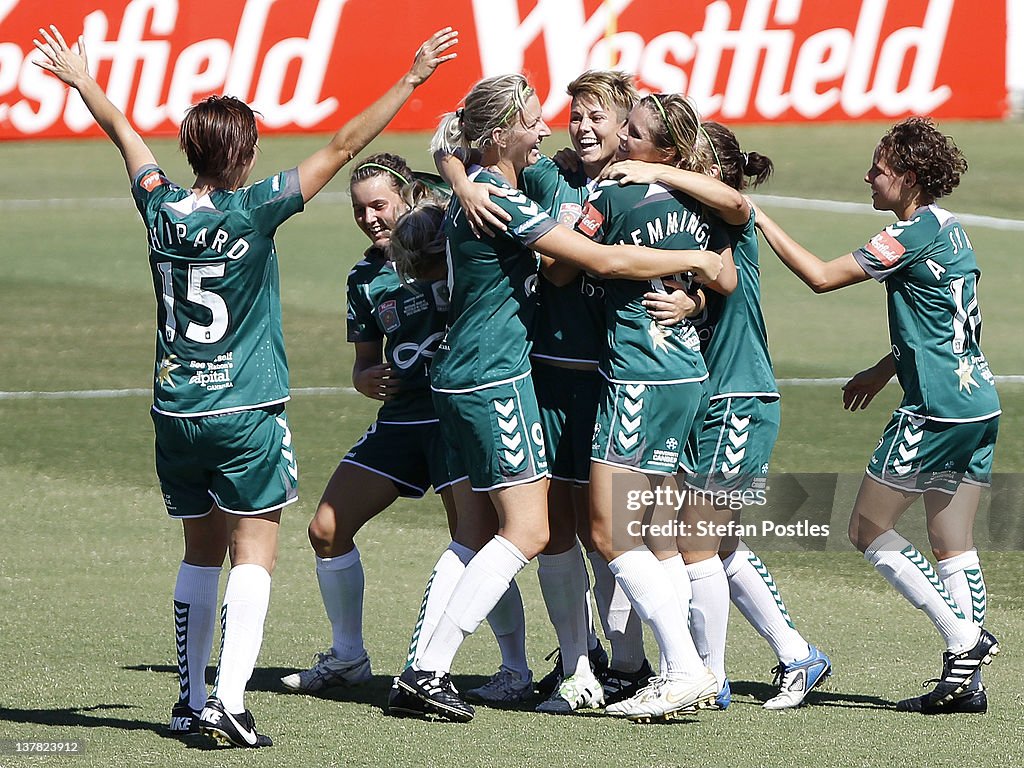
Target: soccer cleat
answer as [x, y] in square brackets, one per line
[724, 697]
[667, 696]
[957, 671]
[329, 671]
[619, 686]
[598, 664]
[228, 729]
[796, 680]
[580, 691]
[436, 693]
[504, 687]
[402, 703]
[969, 702]
[184, 720]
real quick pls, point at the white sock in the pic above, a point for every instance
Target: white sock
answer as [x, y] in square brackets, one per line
[962, 577]
[341, 587]
[195, 617]
[654, 598]
[675, 568]
[246, 598]
[563, 583]
[442, 581]
[914, 578]
[508, 623]
[622, 627]
[484, 581]
[709, 613]
[754, 592]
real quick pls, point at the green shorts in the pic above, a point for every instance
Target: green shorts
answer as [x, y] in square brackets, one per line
[243, 461]
[917, 454]
[568, 400]
[647, 427]
[493, 435]
[409, 454]
[735, 443]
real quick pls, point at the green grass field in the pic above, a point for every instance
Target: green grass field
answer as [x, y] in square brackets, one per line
[89, 559]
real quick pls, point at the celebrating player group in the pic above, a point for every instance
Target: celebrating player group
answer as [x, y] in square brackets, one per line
[546, 336]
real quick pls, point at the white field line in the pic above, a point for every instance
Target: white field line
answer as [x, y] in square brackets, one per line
[799, 203]
[103, 394]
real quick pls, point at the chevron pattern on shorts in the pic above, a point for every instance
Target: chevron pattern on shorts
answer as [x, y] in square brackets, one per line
[908, 444]
[181, 647]
[286, 448]
[979, 595]
[912, 554]
[766, 576]
[735, 445]
[511, 438]
[630, 416]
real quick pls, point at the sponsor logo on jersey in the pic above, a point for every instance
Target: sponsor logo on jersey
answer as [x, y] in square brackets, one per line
[569, 213]
[151, 181]
[886, 248]
[590, 220]
[388, 314]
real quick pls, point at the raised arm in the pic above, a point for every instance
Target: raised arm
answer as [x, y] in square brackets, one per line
[630, 262]
[319, 168]
[820, 276]
[732, 207]
[72, 68]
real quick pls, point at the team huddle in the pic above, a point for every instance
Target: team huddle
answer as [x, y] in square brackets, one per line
[546, 336]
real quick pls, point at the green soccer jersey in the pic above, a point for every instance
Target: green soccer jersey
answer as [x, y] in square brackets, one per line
[733, 338]
[638, 349]
[219, 345]
[570, 318]
[409, 318]
[493, 287]
[931, 281]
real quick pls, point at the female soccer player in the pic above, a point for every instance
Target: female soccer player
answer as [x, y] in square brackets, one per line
[567, 343]
[940, 442]
[481, 372]
[653, 394]
[739, 429]
[395, 325]
[224, 451]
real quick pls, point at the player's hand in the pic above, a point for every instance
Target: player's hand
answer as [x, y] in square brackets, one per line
[567, 159]
[71, 67]
[632, 172]
[859, 391]
[672, 308]
[483, 214]
[432, 54]
[376, 382]
[707, 266]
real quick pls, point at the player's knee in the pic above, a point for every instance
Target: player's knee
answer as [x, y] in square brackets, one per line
[860, 532]
[321, 533]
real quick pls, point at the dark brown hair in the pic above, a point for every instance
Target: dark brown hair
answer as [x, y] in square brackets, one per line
[915, 144]
[218, 135]
[734, 166]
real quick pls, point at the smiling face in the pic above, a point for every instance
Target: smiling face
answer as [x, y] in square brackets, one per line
[635, 138]
[376, 205]
[593, 130]
[523, 137]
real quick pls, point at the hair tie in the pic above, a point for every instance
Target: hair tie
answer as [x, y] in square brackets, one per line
[392, 171]
[714, 150]
[744, 156]
[459, 113]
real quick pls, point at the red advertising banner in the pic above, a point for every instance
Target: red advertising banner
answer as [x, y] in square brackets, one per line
[308, 65]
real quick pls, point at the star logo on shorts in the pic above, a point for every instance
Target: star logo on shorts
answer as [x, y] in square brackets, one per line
[659, 336]
[163, 373]
[963, 372]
